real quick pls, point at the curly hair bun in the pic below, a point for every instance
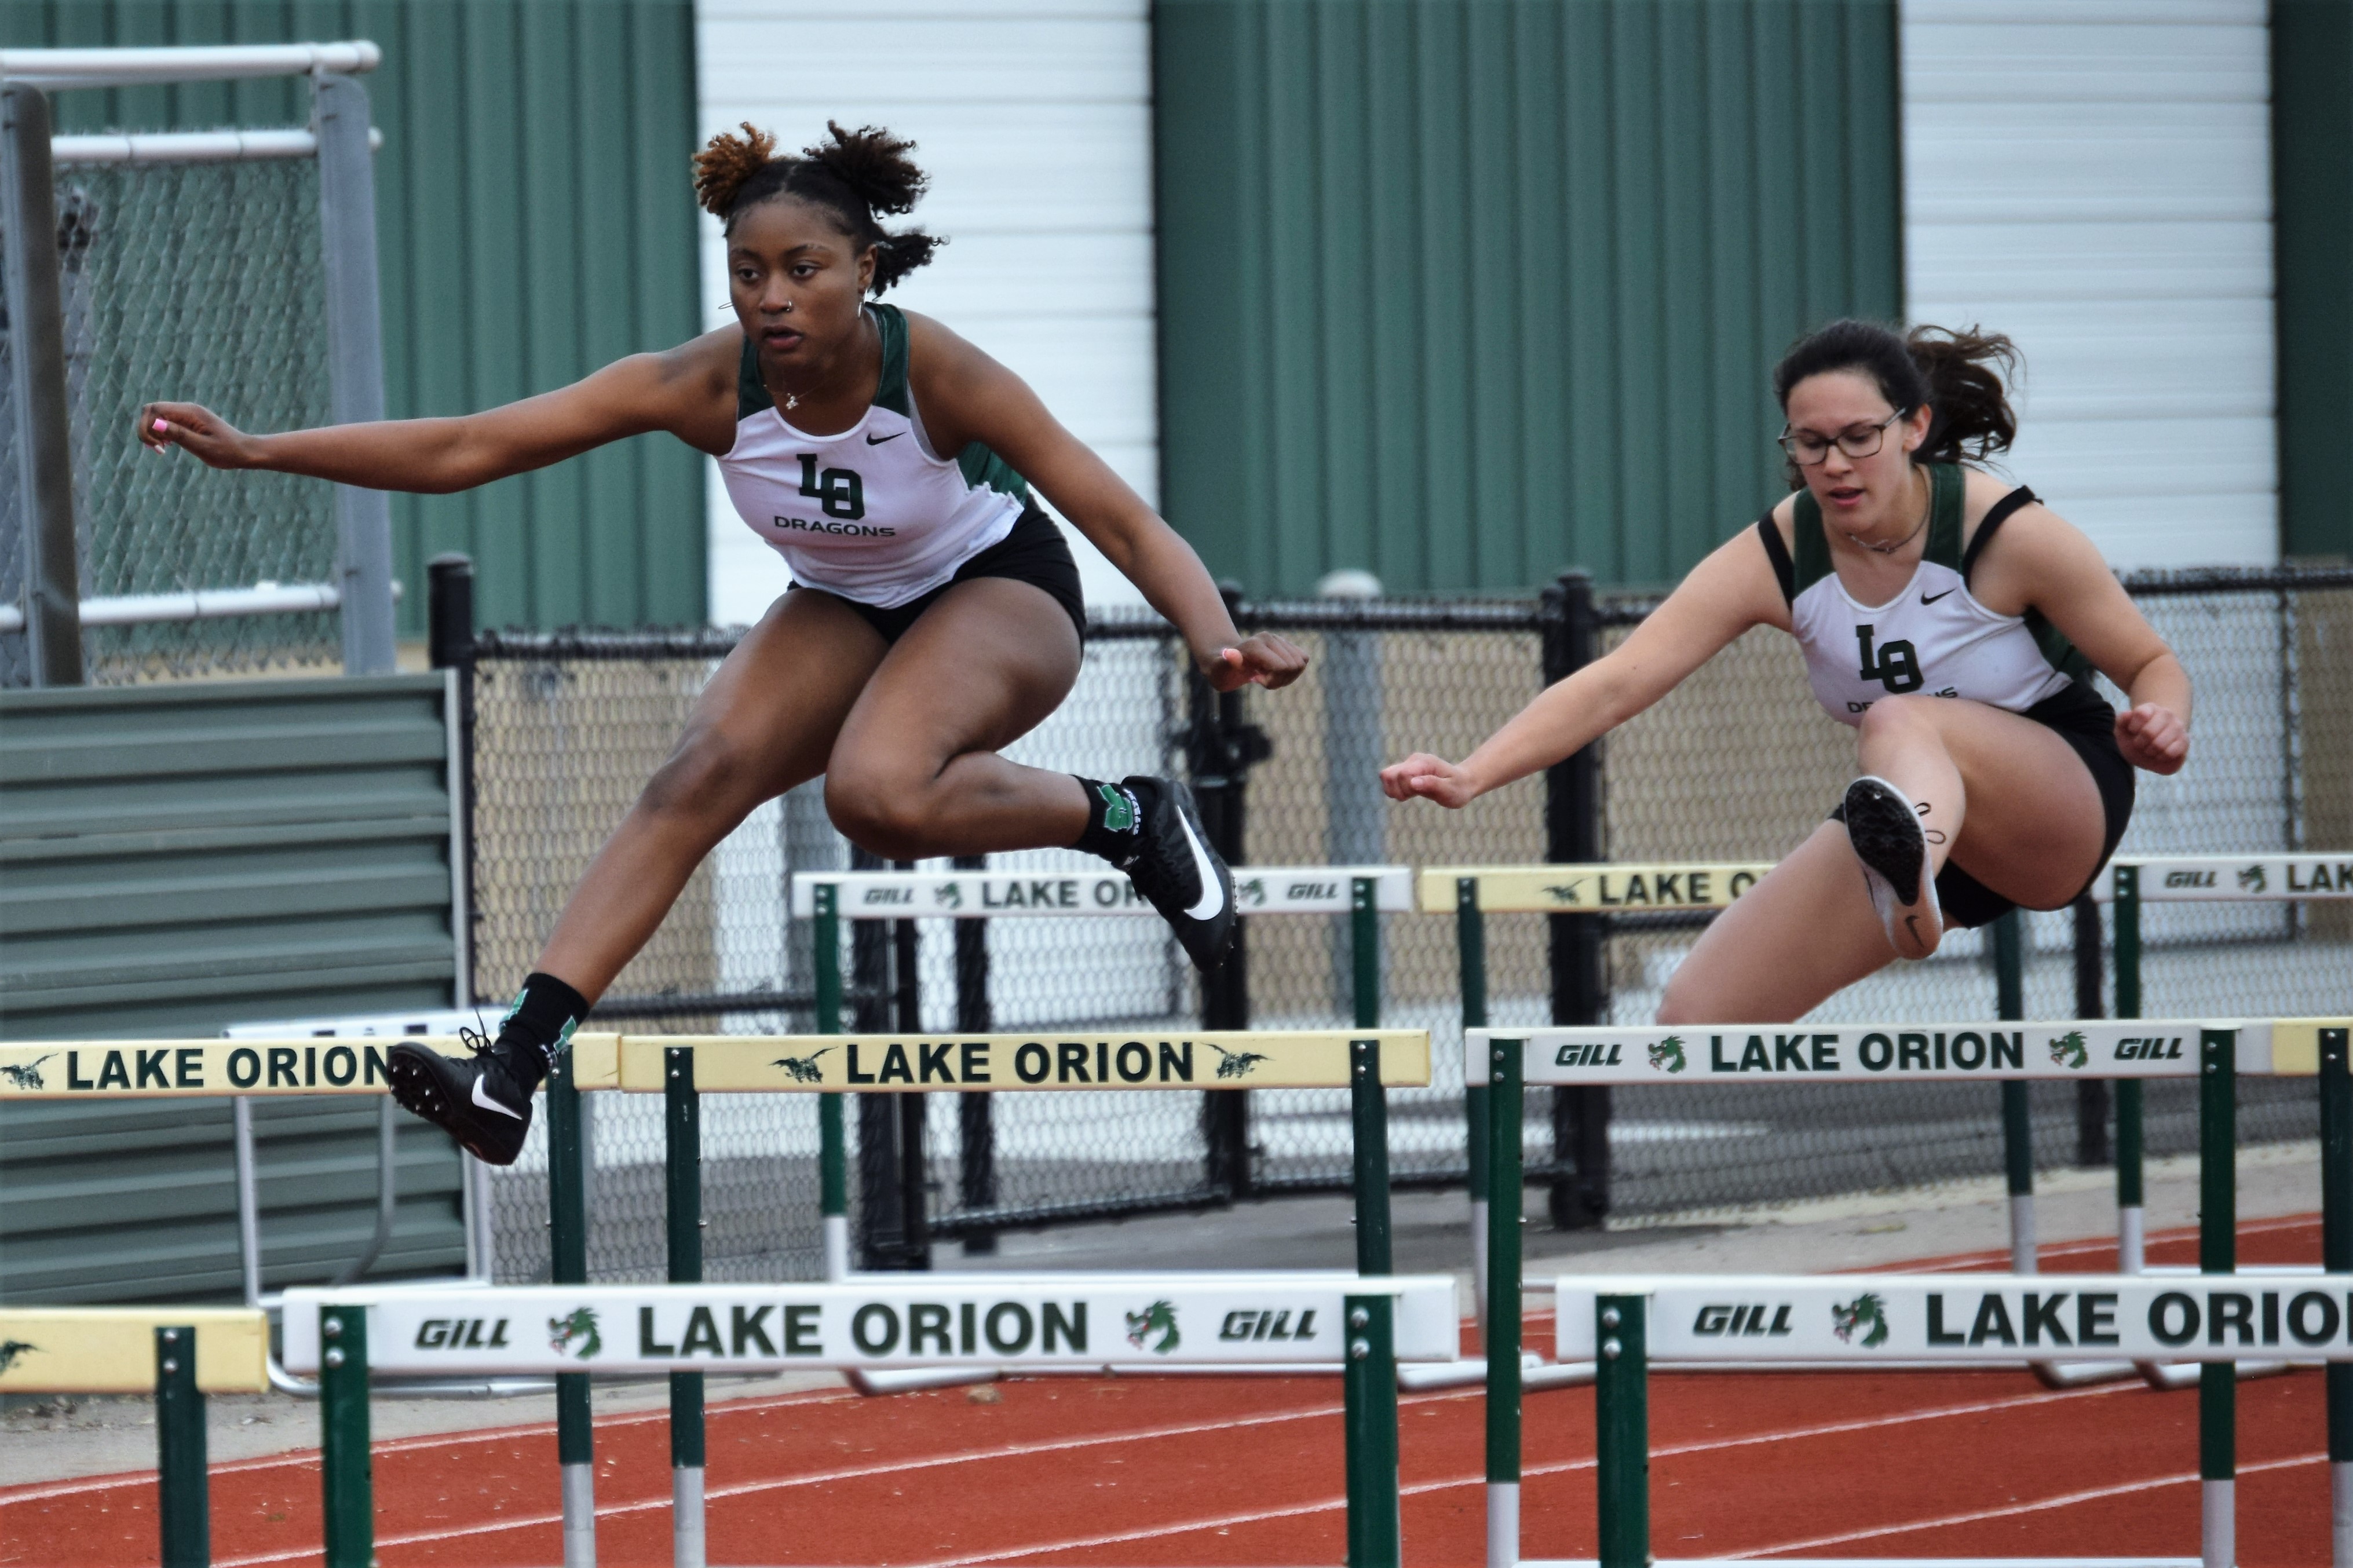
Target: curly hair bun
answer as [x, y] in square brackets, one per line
[873, 165]
[729, 160]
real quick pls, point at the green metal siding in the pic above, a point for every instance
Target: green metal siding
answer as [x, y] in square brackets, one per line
[1467, 291]
[534, 222]
[176, 857]
[2311, 184]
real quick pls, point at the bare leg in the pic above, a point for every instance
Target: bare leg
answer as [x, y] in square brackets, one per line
[915, 773]
[765, 723]
[2018, 811]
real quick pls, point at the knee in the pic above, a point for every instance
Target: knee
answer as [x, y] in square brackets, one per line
[881, 809]
[1893, 716]
[705, 777]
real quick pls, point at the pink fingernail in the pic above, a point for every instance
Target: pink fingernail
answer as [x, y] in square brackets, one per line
[160, 426]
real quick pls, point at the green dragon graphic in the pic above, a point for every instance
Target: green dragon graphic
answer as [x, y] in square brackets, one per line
[2252, 879]
[948, 895]
[27, 1075]
[1564, 892]
[1667, 1056]
[10, 1350]
[1236, 1064]
[1252, 892]
[1160, 1318]
[2071, 1050]
[580, 1328]
[1866, 1312]
[803, 1070]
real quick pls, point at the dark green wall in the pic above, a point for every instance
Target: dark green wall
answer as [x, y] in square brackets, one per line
[2312, 181]
[535, 222]
[1466, 292]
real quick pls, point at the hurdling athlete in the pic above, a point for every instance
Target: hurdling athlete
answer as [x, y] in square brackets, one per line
[1954, 620]
[935, 614]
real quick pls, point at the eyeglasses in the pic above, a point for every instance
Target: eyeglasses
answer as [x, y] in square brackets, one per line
[1808, 448]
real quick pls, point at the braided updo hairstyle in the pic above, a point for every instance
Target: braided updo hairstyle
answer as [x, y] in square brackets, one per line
[1959, 375]
[854, 176]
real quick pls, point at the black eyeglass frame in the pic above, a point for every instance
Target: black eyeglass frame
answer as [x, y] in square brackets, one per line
[1877, 438]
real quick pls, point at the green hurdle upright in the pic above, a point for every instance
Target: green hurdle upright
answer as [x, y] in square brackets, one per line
[2337, 1257]
[567, 1235]
[683, 1185]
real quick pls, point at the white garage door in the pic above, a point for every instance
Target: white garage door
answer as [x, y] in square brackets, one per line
[1034, 120]
[2094, 178]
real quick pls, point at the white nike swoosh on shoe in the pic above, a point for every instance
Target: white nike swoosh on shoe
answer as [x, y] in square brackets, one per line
[1213, 892]
[487, 1103]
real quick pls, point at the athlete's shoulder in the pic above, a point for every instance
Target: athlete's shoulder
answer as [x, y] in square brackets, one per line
[708, 363]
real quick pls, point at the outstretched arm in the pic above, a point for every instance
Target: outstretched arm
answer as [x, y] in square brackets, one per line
[1727, 594]
[967, 396]
[686, 391]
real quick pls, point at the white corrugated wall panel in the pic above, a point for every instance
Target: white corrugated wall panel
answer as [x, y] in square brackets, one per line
[2094, 178]
[1034, 121]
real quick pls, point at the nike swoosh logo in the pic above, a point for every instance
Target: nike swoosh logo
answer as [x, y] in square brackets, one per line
[1932, 598]
[878, 440]
[487, 1103]
[1213, 892]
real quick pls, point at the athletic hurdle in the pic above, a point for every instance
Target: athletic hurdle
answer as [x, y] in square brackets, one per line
[2216, 1054]
[1361, 1325]
[827, 898]
[178, 1353]
[2131, 881]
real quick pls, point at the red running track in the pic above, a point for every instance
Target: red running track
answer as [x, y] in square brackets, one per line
[1229, 1471]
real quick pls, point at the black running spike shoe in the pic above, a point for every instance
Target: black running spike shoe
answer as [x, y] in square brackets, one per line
[481, 1102]
[1177, 872]
[1888, 840]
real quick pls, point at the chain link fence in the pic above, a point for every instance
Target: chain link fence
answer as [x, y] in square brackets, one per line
[1738, 763]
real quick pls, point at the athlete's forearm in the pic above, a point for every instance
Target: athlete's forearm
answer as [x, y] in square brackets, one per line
[1166, 570]
[2164, 682]
[1565, 718]
[431, 457]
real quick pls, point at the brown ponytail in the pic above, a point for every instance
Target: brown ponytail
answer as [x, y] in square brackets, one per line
[853, 174]
[1959, 375]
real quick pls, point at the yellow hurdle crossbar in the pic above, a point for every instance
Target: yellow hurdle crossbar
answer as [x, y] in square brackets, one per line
[112, 1350]
[307, 1064]
[1633, 888]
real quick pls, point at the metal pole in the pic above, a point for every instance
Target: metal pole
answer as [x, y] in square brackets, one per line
[1505, 1096]
[29, 237]
[567, 1203]
[1220, 746]
[249, 1199]
[1369, 1400]
[2092, 1147]
[682, 1184]
[346, 1466]
[832, 1138]
[1580, 1194]
[915, 1169]
[976, 1123]
[1365, 951]
[2132, 1226]
[2337, 1257]
[1622, 1419]
[1471, 945]
[1356, 814]
[183, 1502]
[450, 644]
[2217, 1253]
[2017, 1113]
[354, 364]
[1370, 1389]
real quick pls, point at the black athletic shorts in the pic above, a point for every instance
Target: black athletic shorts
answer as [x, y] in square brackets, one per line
[2083, 719]
[1033, 552]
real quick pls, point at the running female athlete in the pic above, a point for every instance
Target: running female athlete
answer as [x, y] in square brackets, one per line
[936, 617]
[1953, 620]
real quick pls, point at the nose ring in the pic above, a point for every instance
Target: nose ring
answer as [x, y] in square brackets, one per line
[788, 307]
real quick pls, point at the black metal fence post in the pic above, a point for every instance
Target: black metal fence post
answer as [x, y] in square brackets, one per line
[2092, 1093]
[890, 1143]
[975, 1131]
[1580, 1117]
[450, 644]
[1221, 747]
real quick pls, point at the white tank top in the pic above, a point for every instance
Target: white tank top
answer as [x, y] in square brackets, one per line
[1933, 637]
[873, 514]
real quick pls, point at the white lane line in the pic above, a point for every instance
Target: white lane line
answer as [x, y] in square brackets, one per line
[853, 1472]
[1560, 1466]
[2065, 1500]
[308, 1458]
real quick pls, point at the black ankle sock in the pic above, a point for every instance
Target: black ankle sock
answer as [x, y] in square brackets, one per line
[539, 1025]
[1113, 816]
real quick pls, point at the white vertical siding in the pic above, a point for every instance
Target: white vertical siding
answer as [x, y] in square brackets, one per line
[2094, 178]
[1034, 120]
